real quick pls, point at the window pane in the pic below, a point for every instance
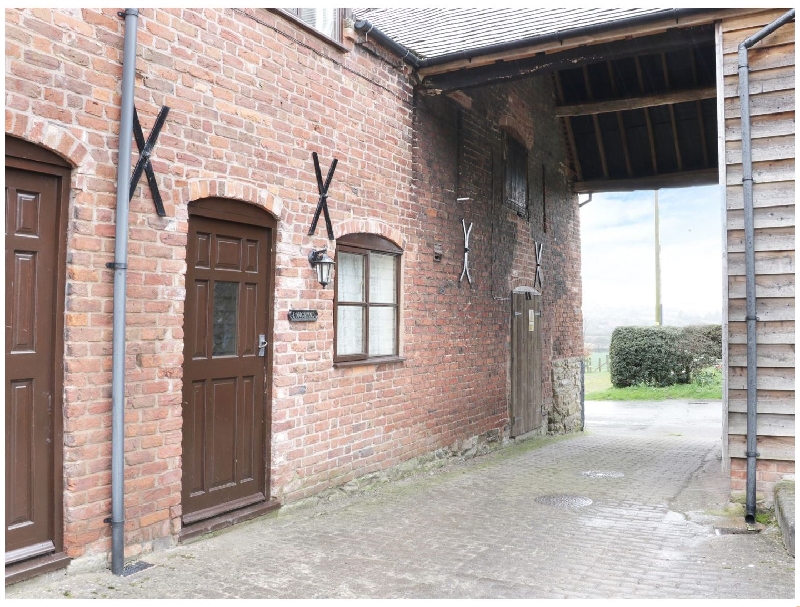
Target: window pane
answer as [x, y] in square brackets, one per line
[324, 20]
[382, 283]
[350, 270]
[382, 331]
[349, 330]
[226, 305]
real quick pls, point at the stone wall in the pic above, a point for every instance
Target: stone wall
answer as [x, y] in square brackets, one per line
[565, 415]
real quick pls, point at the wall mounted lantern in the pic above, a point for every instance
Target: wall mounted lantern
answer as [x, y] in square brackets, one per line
[322, 264]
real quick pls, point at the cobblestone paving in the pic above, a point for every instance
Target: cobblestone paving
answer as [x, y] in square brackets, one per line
[476, 530]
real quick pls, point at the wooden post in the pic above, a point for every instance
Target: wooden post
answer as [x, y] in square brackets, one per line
[658, 266]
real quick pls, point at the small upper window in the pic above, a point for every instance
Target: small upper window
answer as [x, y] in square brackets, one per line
[515, 194]
[327, 21]
[366, 298]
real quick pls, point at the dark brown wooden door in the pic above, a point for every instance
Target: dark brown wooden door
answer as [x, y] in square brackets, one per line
[526, 363]
[225, 370]
[31, 286]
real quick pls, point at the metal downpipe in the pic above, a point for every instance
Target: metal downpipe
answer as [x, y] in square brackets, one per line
[120, 277]
[749, 260]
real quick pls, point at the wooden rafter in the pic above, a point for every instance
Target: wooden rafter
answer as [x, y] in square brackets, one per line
[647, 118]
[596, 121]
[568, 125]
[672, 115]
[654, 182]
[635, 103]
[456, 75]
[620, 125]
[699, 108]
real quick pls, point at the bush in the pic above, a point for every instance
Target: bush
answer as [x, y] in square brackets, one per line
[647, 355]
[662, 356]
[704, 344]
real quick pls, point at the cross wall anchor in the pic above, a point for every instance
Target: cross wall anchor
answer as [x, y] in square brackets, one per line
[465, 271]
[537, 278]
[322, 205]
[145, 150]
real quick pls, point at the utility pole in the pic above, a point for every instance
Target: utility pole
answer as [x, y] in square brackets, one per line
[659, 319]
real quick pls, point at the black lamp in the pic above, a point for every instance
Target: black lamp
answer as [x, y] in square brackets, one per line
[322, 264]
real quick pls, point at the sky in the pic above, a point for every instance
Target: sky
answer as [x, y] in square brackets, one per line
[618, 254]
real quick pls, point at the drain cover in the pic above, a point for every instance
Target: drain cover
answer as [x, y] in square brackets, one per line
[564, 501]
[602, 474]
[135, 568]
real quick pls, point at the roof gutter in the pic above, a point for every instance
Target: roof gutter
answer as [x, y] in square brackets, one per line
[404, 53]
[409, 57]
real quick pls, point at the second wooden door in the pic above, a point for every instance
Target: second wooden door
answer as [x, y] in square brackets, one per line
[225, 442]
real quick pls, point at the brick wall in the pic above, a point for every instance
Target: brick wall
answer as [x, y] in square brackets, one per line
[251, 96]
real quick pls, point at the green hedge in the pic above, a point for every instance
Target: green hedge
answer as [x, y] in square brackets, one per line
[662, 356]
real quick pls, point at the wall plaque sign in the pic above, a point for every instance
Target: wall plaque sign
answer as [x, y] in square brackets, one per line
[302, 315]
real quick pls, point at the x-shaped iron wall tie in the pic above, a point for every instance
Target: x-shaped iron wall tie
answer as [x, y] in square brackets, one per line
[465, 271]
[145, 150]
[322, 205]
[537, 247]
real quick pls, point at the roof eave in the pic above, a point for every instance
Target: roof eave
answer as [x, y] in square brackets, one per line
[418, 63]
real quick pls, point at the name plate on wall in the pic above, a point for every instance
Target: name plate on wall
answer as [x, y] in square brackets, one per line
[302, 315]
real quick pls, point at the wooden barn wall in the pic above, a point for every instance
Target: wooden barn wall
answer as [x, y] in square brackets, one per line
[772, 83]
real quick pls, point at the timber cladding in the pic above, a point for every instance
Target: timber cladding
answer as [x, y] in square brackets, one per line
[772, 108]
[251, 96]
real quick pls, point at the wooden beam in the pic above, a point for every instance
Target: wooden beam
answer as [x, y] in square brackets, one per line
[654, 182]
[647, 117]
[568, 125]
[636, 103]
[599, 136]
[620, 124]
[675, 139]
[699, 109]
[502, 71]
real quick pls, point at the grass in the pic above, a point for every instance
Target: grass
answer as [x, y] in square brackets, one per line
[598, 387]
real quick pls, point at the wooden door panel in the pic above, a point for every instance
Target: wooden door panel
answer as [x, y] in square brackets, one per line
[225, 378]
[19, 418]
[526, 363]
[32, 203]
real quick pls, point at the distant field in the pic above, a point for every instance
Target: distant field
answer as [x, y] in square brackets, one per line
[598, 358]
[598, 387]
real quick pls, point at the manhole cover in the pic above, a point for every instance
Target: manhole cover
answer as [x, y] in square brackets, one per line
[135, 568]
[564, 501]
[602, 474]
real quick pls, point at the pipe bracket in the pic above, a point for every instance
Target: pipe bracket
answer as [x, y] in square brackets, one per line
[752, 454]
[116, 266]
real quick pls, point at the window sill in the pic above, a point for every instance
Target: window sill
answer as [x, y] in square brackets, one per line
[311, 30]
[377, 360]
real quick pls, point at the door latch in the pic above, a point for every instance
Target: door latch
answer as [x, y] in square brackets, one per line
[262, 344]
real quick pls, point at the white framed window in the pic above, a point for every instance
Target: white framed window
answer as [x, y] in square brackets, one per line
[327, 21]
[366, 298]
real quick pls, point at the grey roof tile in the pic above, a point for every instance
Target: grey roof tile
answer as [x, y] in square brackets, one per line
[433, 32]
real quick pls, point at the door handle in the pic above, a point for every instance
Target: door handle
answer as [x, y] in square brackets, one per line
[262, 344]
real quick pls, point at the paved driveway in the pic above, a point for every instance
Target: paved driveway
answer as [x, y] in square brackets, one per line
[625, 510]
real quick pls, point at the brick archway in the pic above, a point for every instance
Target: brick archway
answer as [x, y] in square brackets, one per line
[52, 137]
[198, 189]
[371, 226]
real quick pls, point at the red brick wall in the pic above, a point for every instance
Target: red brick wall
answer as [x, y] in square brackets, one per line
[250, 99]
[768, 473]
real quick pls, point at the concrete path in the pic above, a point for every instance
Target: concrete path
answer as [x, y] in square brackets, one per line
[625, 510]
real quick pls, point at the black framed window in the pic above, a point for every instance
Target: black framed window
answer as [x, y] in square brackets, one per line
[325, 20]
[366, 298]
[515, 191]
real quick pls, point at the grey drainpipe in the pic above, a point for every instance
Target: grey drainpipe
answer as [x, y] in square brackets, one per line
[749, 259]
[120, 276]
